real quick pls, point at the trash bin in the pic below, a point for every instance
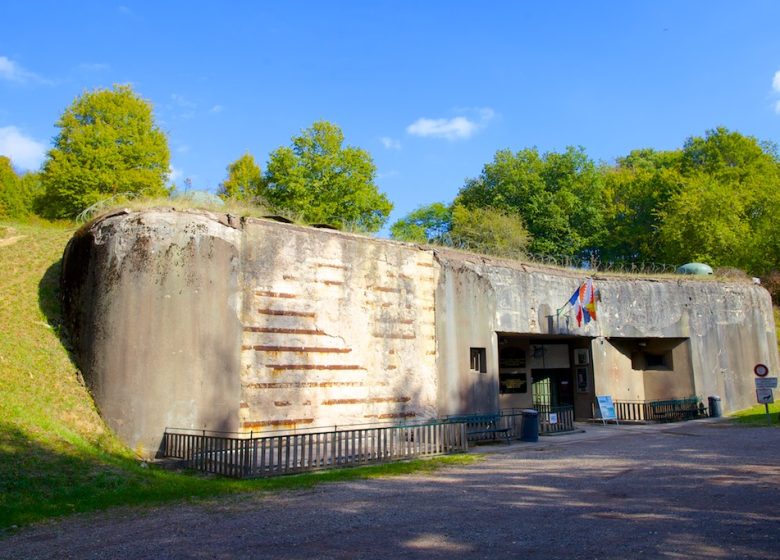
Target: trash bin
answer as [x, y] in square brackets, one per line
[715, 409]
[529, 430]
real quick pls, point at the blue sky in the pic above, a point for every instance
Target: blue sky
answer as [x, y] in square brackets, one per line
[431, 89]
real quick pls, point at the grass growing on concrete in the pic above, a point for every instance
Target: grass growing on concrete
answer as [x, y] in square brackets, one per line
[56, 455]
[756, 416]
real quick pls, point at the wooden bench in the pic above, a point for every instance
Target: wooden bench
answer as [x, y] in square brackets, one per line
[677, 410]
[482, 425]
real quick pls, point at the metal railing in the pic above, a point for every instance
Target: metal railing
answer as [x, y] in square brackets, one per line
[668, 410]
[552, 419]
[246, 455]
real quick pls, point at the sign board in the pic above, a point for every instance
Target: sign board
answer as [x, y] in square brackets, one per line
[553, 418]
[766, 383]
[765, 396]
[606, 407]
[761, 370]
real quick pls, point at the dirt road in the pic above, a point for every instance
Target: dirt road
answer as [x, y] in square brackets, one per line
[694, 490]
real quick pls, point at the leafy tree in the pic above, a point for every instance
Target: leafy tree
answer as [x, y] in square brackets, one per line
[427, 224]
[728, 211]
[557, 195]
[18, 194]
[108, 144]
[321, 181]
[489, 230]
[636, 189]
[244, 180]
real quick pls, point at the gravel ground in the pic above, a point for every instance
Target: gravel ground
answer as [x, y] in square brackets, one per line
[703, 489]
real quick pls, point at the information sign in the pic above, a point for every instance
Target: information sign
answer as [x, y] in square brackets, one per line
[766, 383]
[553, 418]
[606, 407]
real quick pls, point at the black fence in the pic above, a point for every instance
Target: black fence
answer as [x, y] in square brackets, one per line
[669, 410]
[245, 455]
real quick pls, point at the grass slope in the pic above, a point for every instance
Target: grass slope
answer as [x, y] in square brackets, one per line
[56, 455]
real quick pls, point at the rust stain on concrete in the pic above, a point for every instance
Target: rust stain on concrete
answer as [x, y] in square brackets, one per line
[280, 330]
[323, 367]
[276, 423]
[395, 336]
[369, 400]
[307, 384]
[283, 295]
[386, 289]
[287, 313]
[297, 349]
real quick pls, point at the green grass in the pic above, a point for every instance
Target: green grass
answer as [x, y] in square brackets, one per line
[777, 326]
[756, 416]
[56, 455]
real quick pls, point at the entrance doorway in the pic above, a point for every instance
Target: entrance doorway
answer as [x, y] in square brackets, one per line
[545, 371]
[552, 387]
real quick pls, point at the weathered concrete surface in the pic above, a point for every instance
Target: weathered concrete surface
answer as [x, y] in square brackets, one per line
[195, 320]
[698, 490]
[153, 300]
[729, 326]
[203, 321]
[337, 329]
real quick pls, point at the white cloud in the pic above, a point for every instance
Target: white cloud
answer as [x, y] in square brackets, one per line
[174, 174]
[24, 152]
[456, 128]
[390, 143]
[776, 82]
[182, 101]
[777, 107]
[94, 66]
[11, 71]
[217, 109]
[183, 149]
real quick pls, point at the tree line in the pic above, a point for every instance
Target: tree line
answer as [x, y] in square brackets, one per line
[715, 200]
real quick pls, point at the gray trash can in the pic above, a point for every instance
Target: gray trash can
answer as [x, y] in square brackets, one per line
[715, 409]
[529, 431]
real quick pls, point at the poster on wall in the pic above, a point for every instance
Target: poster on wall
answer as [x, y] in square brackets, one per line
[607, 408]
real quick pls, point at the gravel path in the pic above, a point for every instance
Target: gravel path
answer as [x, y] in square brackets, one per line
[700, 489]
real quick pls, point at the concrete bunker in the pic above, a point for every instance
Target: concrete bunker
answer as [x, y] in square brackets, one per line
[210, 322]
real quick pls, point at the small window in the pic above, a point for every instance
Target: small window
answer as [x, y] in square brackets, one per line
[645, 360]
[478, 360]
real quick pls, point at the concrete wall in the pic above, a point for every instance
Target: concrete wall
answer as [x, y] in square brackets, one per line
[198, 320]
[337, 329]
[153, 301]
[729, 326]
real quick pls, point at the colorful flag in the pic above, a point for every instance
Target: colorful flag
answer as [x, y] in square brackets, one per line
[583, 302]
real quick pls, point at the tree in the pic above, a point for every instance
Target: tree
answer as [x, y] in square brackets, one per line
[728, 211]
[108, 144]
[636, 190]
[427, 224]
[322, 182]
[244, 180]
[489, 230]
[18, 193]
[557, 195]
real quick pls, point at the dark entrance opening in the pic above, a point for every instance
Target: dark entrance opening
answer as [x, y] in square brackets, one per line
[545, 371]
[553, 387]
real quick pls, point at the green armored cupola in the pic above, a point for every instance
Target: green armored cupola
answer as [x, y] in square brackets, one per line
[700, 269]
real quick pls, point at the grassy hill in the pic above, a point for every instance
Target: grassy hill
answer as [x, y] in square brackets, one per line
[56, 455]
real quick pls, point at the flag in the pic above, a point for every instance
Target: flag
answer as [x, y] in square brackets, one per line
[583, 302]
